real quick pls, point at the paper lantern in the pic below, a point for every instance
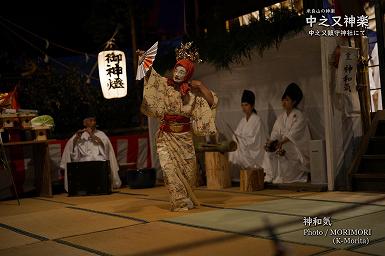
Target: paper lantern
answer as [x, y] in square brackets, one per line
[112, 74]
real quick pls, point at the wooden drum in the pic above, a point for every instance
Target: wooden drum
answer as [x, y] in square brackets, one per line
[252, 179]
[217, 170]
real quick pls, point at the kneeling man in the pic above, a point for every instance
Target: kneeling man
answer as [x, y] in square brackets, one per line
[90, 144]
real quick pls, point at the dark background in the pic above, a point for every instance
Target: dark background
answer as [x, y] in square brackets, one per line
[60, 86]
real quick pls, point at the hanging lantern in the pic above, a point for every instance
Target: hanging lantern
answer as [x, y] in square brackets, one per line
[112, 73]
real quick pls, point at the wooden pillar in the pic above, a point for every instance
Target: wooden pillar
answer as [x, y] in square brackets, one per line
[217, 170]
[252, 179]
[133, 39]
[42, 165]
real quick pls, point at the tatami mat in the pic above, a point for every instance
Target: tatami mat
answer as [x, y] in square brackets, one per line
[44, 248]
[10, 239]
[226, 198]
[215, 198]
[267, 192]
[374, 248]
[374, 221]
[211, 198]
[167, 239]
[27, 205]
[343, 253]
[155, 191]
[64, 222]
[139, 222]
[75, 200]
[144, 209]
[229, 199]
[353, 197]
[306, 208]
[243, 222]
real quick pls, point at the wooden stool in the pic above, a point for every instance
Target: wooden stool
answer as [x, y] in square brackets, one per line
[41, 132]
[251, 179]
[217, 170]
[124, 168]
[25, 120]
[9, 120]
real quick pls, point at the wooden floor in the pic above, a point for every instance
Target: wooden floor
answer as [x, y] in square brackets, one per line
[138, 222]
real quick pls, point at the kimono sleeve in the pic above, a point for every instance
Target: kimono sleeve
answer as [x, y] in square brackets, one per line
[275, 132]
[154, 93]
[66, 158]
[68, 154]
[254, 142]
[258, 135]
[247, 138]
[298, 129]
[203, 116]
[299, 135]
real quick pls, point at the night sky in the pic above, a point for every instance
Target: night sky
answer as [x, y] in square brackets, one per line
[60, 21]
[86, 25]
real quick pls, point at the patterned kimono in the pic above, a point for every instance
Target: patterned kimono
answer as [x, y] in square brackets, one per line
[175, 137]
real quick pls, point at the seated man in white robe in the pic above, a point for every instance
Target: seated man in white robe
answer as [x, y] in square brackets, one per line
[250, 136]
[90, 144]
[288, 152]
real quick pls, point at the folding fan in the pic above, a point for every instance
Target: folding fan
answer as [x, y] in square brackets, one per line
[146, 61]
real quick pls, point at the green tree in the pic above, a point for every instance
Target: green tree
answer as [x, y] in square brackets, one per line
[67, 97]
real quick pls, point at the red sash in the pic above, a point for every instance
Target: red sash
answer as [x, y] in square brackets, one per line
[175, 124]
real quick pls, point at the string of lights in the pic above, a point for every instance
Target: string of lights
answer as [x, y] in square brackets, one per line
[46, 57]
[47, 41]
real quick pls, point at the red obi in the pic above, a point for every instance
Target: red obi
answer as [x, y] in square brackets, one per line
[175, 123]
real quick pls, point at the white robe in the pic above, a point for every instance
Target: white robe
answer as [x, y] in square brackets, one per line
[252, 136]
[86, 150]
[294, 165]
[374, 80]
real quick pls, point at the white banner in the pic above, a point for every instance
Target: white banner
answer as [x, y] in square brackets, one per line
[347, 70]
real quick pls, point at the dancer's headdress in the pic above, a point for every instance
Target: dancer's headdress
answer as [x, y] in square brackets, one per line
[188, 52]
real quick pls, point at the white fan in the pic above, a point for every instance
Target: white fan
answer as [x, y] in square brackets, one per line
[146, 61]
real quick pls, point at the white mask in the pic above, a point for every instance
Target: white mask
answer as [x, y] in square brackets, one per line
[179, 74]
